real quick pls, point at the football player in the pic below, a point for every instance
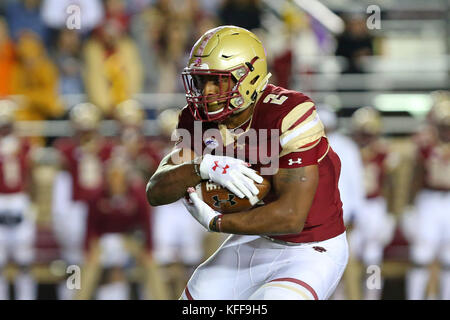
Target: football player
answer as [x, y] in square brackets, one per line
[181, 243]
[17, 219]
[294, 246]
[351, 180]
[430, 233]
[373, 227]
[351, 188]
[80, 179]
[130, 117]
[115, 221]
[144, 157]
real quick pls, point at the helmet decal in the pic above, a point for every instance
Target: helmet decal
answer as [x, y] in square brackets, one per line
[203, 44]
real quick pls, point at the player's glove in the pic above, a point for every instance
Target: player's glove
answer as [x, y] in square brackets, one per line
[233, 174]
[205, 215]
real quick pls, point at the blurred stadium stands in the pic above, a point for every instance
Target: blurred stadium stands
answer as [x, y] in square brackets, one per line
[410, 59]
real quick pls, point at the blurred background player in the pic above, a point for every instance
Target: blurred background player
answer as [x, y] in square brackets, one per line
[140, 150]
[429, 233]
[180, 242]
[373, 226]
[351, 181]
[81, 179]
[144, 156]
[17, 220]
[351, 189]
[118, 229]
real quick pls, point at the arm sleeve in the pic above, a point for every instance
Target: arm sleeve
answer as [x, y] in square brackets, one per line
[302, 138]
[312, 156]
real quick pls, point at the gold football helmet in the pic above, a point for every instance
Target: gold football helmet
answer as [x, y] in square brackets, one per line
[130, 113]
[228, 53]
[366, 120]
[85, 116]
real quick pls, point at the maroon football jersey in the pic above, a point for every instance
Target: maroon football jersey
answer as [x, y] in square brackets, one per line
[284, 129]
[86, 168]
[146, 159]
[14, 169]
[374, 160]
[122, 214]
[436, 161]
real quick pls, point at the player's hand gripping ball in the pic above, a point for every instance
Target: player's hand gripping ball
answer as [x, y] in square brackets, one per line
[224, 201]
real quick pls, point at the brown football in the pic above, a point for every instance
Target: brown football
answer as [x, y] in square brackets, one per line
[225, 201]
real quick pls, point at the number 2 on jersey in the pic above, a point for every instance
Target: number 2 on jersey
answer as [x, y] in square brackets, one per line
[276, 99]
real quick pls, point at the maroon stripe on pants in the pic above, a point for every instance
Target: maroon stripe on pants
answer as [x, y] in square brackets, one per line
[299, 282]
[188, 294]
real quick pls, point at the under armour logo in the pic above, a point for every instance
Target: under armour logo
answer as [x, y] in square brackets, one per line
[216, 165]
[218, 201]
[298, 161]
[320, 249]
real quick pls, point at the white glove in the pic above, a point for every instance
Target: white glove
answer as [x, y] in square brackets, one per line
[199, 209]
[233, 174]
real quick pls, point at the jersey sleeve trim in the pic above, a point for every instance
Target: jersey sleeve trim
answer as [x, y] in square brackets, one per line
[313, 155]
[312, 124]
[296, 116]
[303, 136]
[325, 154]
[305, 148]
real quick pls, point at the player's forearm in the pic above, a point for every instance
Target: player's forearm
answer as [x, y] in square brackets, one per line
[287, 215]
[272, 219]
[169, 183]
